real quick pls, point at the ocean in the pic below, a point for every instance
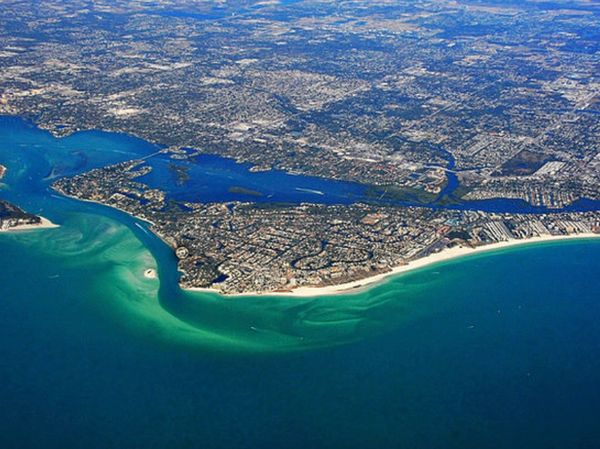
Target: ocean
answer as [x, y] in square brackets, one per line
[494, 350]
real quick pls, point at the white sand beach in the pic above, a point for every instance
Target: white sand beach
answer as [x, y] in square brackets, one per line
[44, 224]
[447, 254]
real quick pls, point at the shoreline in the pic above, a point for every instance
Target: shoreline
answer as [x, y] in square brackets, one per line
[64, 195]
[44, 224]
[372, 281]
[359, 285]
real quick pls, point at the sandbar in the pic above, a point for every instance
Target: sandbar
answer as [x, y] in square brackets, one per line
[150, 273]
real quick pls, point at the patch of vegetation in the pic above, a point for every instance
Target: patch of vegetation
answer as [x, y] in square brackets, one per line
[243, 191]
[180, 173]
[403, 194]
[8, 210]
[524, 163]
[458, 234]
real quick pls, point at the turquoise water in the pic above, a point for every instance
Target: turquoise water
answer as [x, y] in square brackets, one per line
[495, 350]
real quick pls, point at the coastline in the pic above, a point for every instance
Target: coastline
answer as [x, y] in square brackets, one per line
[64, 195]
[370, 282]
[44, 224]
[359, 285]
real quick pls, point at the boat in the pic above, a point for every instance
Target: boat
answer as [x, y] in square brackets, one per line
[316, 192]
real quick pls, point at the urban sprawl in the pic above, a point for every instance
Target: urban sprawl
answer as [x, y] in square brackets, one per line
[409, 97]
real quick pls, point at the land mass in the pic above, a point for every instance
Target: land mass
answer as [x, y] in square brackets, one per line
[240, 247]
[444, 255]
[402, 95]
[433, 104]
[12, 218]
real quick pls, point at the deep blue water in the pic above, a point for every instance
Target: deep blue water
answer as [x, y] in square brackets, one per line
[211, 179]
[493, 351]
